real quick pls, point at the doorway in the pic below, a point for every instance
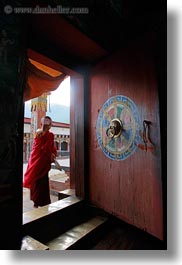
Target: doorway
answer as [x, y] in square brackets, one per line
[67, 143]
[58, 108]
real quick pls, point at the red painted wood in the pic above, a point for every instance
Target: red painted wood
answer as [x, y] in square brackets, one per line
[129, 189]
[67, 37]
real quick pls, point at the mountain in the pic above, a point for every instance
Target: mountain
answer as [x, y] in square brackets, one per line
[58, 113]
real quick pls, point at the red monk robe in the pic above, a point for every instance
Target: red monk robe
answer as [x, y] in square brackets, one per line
[36, 175]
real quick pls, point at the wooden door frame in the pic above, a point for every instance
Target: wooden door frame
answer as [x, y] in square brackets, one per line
[78, 117]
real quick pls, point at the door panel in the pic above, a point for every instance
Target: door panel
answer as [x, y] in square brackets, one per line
[130, 189]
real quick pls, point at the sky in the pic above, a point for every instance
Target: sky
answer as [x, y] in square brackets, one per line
[62, 94]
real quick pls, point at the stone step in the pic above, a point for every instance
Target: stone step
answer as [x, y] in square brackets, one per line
[68, 220]
[47, 222]
[29, 243]
[59, 176]
[51, 208]
[65, 193]
[72, 238]
[56, 186]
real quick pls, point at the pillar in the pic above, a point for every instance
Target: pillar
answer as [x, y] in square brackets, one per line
[38, 110]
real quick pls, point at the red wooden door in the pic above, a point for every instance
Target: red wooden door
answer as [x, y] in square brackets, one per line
[130, 189]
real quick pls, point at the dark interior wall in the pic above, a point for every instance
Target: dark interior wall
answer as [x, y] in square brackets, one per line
[130, 189]
[12, 78]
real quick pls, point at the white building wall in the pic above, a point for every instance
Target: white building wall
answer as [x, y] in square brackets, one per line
[55, 130]
[26, 128]
[62, 131]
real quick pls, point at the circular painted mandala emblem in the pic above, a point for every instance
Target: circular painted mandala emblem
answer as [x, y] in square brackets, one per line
[123, 109]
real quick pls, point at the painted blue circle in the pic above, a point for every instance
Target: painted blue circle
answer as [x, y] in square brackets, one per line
[124, 109]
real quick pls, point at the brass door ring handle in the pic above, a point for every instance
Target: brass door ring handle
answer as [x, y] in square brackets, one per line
[115, 129]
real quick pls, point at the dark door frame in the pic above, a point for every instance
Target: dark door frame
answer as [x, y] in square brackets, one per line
[78, 117]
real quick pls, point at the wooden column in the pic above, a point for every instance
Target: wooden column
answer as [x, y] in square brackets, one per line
[77, 136]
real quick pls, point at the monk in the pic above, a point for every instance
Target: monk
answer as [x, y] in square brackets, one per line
[42, 155]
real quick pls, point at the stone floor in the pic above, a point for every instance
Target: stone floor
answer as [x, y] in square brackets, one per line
[28, 204]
